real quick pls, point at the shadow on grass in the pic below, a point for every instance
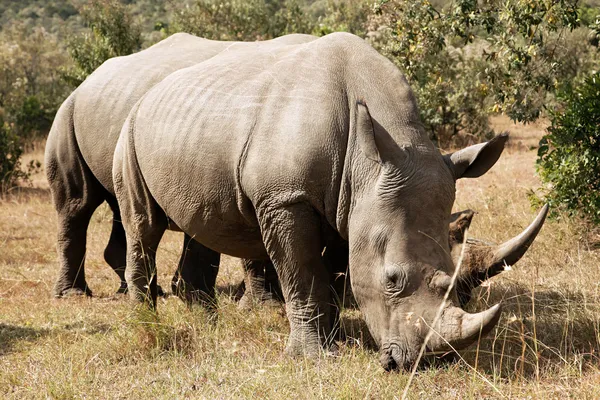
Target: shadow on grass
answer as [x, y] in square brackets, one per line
[10, 335]
[541, 330]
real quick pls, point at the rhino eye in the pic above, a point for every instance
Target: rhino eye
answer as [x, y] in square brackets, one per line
[395, 278]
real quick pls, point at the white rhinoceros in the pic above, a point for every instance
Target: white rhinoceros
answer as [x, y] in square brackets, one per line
[269, 152]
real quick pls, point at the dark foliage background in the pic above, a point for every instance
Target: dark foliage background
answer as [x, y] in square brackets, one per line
[465, 59]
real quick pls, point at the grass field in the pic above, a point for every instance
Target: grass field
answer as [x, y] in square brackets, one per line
[547, 344]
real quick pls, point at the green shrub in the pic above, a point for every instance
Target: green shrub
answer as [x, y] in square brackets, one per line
[32, 118]
[569, 154]
[244, 20]
[10, 156]
[112, 33]
[344, 15]
[469, 59]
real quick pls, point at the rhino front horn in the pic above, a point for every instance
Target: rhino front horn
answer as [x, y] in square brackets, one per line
[457, 328]
[483, 261]
[510, 252]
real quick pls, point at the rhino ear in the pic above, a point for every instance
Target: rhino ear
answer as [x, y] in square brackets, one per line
[365, 132]
[475, 161]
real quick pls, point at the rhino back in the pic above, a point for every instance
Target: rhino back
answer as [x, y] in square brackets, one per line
[105, 99]
[260, 128]
[107, 95]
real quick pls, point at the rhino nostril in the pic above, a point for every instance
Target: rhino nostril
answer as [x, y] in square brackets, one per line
[387, 361]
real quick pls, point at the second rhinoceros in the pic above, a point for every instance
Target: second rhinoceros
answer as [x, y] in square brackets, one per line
[270, 153]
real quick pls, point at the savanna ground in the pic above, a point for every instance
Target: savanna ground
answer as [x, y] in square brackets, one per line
[547, 344]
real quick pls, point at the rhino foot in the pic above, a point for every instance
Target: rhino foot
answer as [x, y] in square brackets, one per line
[72, 292]
[124, 290]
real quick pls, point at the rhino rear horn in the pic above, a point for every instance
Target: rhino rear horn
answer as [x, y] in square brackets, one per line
[459, 223]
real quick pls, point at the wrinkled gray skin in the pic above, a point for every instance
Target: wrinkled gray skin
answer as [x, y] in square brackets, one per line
[271, 153]
[79, 155]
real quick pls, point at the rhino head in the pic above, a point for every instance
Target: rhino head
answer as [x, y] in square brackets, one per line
[400, 260]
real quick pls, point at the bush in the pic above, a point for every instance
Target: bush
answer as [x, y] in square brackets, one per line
[569, 154]
[113, 33]
[469, 58]
[243, 20]
[30, 89]
[344, 15]
[10, 156]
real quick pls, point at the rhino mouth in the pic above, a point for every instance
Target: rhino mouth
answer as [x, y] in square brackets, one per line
[395, 357]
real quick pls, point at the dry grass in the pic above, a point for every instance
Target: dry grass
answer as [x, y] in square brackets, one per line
[545, 346]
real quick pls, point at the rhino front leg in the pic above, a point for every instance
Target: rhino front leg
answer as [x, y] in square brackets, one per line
[115, 251]
[196, 275]
[292, 237]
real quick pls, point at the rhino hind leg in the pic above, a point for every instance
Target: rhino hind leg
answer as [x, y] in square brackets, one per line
[71, 246]
[196, 274]
[76, 194]
[147, 224]
[292, 237]
[261, 284]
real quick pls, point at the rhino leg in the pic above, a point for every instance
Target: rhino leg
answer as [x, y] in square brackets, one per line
[76, 194]
[196, 275]
[115, 251]
[147, 225]
[143, 219]
[261, 283]
[140, 273]
[72, 231]
[292, 237]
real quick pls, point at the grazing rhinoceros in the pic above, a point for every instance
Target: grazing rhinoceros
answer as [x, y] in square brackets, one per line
[270, 153]
[481, 261]
[80, 148]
